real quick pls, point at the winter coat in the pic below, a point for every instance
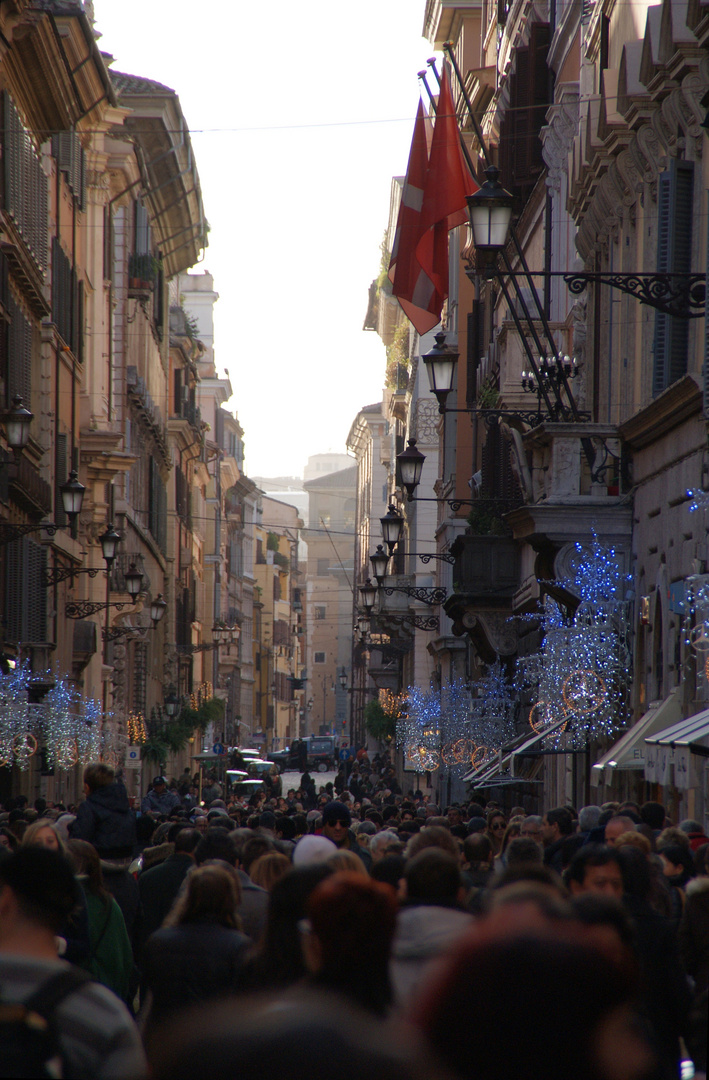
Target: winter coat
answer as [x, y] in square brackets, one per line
[424, 932]
[106, 820]
[110, 960]
[694, 932]
[191, 963]
[159, 886]
[164, 803]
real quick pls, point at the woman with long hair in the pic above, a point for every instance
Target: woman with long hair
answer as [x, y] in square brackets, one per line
[110, 958]
[496, 825]
[199, 951]
[267, 869]
[44, 833]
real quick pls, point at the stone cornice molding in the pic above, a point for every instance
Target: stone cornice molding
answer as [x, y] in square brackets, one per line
[559, 132]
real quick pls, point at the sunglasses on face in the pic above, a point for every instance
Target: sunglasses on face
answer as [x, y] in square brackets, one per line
[498, 825]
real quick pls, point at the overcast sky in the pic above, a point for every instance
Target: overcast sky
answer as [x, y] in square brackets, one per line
[301, 113]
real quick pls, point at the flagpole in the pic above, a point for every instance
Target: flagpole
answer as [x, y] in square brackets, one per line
[448, 48]
[466, 153]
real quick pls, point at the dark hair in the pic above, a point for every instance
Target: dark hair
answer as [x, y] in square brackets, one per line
[635, 868]
[591, 855]
[531, 874]
[522, 849]
[215, 844]
[389, 870]
[562, 817]
[679, 855]
[98, 775]
[43, 883]
[477, 848]
[252, 849]
[561, 972]
[433, 876]
[354, 919]
[593, 909]
[653, 814]
[285, 826]
[211, 893]
[187, 840]
[701, 865]
[279, 961]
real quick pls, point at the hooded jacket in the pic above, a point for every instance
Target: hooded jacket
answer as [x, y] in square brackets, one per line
[106, 820]
[424, 932]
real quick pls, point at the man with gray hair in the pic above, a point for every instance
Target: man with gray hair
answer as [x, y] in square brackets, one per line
[532, 827]
[616, 826]
[588, 819]
[384, 843]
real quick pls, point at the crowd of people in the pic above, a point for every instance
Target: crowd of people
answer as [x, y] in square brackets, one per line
[348, 930]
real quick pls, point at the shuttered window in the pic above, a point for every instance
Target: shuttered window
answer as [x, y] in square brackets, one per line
[25, 196]
[530, 94]
[25, 615]
[71, 159]
[157, 506]
[674, 255]
[67, 300]
[19, 360]
[62, 472]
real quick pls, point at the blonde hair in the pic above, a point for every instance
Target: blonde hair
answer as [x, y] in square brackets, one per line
[347, 860]
[269, 868]
[211, 893]
[634, 839]
[29, 837]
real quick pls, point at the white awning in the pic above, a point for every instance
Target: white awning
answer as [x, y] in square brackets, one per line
[629, 751]
[674, 753]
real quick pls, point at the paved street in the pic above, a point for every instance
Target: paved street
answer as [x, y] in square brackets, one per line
[292, 779]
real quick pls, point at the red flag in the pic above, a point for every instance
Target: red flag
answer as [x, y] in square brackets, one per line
[448, 181]
[411, 285]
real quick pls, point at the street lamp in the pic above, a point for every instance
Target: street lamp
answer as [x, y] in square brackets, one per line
[157, 609]
[490, 212]
[410, 462]
[379, 562]
[17, 426]
[441, 363]
[72, 493]
[133, 580]
[109, 542]
[368, 595]
[342, 678]
[171, 704]
[392, 525]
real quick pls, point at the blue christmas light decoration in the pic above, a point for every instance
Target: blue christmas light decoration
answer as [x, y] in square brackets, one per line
[699, 499]
[579, 676]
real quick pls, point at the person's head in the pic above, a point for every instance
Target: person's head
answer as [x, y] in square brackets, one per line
[531, 826]
[87, 864]
[653, 814]
[38, 887]
[348, 940]
[389, 870]
[433, 877]
[212, 893]
[384, 843]
[496, 825]
[510, 833]
[98, 775]
[268, 869]
[616, 826]
[216, 843]
[566, 976]
[159, 785]
[701, 861]
[454, 815]
[634, 839]
[477, 849]
[8, 840]
[186, 841]
[595, 868]
[336, 820]
[342, 859]
[556, 824]
[433, 836]
[43, 833]
[588, 818]
[523, 849]
[677, 862]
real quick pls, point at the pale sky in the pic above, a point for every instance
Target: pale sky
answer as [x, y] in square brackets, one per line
[301, 111]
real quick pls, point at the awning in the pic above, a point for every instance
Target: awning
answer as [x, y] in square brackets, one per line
[679, 746]
[523, 744]
[629, 751]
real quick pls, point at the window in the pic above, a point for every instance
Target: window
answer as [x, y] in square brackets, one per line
[319, 658]
[320, 612]
[25, 592]
[323, 567]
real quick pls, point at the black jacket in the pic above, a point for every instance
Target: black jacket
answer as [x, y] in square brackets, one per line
[183, 965]
[106, 820]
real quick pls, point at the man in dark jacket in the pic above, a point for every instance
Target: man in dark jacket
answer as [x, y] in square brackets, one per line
[160, 884]
[159, 800]
[105, 818]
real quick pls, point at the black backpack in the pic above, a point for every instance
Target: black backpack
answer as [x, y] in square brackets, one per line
[29, 1038]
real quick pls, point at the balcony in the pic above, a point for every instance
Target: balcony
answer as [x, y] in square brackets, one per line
[486, 576]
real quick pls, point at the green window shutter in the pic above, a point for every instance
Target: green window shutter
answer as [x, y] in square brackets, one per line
[62, 473]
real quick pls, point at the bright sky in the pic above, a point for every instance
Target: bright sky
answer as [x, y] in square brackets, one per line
[301, 111]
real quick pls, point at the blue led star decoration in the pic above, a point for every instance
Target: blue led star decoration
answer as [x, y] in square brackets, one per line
[578, 679]
[699, 499]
